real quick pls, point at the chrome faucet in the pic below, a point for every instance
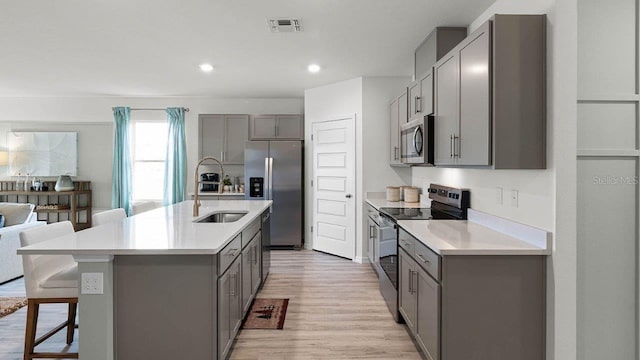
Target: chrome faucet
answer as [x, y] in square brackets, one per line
[196, 202]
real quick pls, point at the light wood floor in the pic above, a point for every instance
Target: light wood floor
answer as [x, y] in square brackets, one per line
[335, 312]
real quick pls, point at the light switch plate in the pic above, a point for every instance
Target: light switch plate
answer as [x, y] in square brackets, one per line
[92, 283]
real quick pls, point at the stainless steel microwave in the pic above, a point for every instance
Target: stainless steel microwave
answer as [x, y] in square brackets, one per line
[416, 141]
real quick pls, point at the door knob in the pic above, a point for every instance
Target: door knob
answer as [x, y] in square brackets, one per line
[348, 196]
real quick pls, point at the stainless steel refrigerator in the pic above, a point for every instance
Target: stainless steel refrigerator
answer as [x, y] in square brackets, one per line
[273, 171]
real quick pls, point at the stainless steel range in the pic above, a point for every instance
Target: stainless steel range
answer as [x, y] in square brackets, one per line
[446, 204]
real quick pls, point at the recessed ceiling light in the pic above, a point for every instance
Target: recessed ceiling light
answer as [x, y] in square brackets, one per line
[206, 67]
[313, 68]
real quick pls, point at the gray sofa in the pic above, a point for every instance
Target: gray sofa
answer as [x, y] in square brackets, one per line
[18, 217]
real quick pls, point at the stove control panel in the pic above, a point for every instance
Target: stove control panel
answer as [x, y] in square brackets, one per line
[451, 196]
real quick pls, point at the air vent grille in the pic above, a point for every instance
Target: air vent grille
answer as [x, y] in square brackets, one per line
[284, 25]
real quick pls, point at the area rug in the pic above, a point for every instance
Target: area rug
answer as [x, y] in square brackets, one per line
[9, 305]
[266, 314]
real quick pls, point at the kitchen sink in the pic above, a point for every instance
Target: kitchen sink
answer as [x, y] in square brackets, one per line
[222, 217]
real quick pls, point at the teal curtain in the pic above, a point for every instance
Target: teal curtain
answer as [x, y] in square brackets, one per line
[121, 195]
[175, 173]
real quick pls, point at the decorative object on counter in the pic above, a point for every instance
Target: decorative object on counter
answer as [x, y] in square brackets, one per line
[411, 194]
[241, 188]
[18, 183]
[227, 183]
[267, 314]
[393, 193]
[53, 207]
[64, 183]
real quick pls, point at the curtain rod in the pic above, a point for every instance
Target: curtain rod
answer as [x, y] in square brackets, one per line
[185, 109]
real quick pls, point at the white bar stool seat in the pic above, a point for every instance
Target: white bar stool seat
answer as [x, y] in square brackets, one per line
[109, 216]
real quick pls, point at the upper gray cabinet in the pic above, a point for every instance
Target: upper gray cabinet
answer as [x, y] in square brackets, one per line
[421, 96]
[490, 105]
[276, 127]
[439, 42]
[223, 137]
[398, 115]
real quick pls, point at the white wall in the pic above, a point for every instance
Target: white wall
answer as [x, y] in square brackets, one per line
[50, 113]
[326, 103]
[369, 99]
[546, 197]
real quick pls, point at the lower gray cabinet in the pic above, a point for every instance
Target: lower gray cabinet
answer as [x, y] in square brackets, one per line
[229, 307]
[427, 322]
[251, 277]
[472, 306]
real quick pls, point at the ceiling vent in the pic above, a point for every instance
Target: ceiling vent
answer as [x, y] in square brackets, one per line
[284, 25]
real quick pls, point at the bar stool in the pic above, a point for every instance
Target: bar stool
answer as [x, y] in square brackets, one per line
[49, 279]
[109, 216]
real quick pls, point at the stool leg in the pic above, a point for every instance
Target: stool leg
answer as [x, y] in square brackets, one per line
[30, 334]
[71, 322]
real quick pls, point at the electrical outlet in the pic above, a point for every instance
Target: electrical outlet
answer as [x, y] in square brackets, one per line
[514, 198]
[499, 195]
[92, 283]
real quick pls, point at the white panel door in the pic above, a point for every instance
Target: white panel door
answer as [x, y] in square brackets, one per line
[334, 169]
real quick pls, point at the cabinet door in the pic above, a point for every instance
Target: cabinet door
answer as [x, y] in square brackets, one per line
[237, 133]
[406, 290]
[414, 98]
[212, 132]
[262, 127]
[289, 127]
[428, 315]
[473, 147]
[247, 290]
[394, 130]
[235, 299]
[256, 265]
[226, 285]
[403, 110]
[446, 109]
[426, 94]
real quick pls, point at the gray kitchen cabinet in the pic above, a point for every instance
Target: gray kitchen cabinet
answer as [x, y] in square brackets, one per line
[421, 96]
[406, 293]
[229, 307]
[251, 264]
[280, 127]
[256, 267]
[437, 44]
[472, 306]
[427, 322]
[223, 137]
[398, 115]
[446, 109]
[247, 290]
[490, 93]
[473, 147]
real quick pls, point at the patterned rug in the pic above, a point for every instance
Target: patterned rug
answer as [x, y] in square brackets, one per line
[9, 305]
[266, 314]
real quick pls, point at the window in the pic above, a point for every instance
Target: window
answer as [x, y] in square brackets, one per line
[149, 152]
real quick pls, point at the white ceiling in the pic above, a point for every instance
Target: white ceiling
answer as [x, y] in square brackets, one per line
[154, 47]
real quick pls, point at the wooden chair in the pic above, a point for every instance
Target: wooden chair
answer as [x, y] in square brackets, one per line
[109, 216]
[49, 279]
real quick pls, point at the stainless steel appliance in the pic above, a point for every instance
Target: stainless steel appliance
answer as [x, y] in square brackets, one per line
[446, 204]
[209, 182]
[416, 141]
[381, 235]
[273, 171]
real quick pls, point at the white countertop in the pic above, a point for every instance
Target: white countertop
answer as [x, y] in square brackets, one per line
[466, 237]
[165, 231]
[378, 200]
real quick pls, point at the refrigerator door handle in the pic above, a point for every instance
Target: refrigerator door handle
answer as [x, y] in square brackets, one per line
[266, 178]
[271, 181]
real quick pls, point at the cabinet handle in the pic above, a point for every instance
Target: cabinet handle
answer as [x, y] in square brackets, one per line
[410, 281]
[395, 153]
[234, 278]
[371, 231]
[418, 104]
[451, 146]
[419, 256]
[232, 252]
[415, 290]
[456, 140]
[255, 255]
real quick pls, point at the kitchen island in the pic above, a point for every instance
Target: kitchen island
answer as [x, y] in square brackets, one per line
[171, 287]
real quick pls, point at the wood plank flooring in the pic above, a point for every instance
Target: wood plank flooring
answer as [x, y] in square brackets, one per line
[12, 326]
[335, 312]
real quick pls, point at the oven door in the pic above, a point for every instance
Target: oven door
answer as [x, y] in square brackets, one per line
[412, 142]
